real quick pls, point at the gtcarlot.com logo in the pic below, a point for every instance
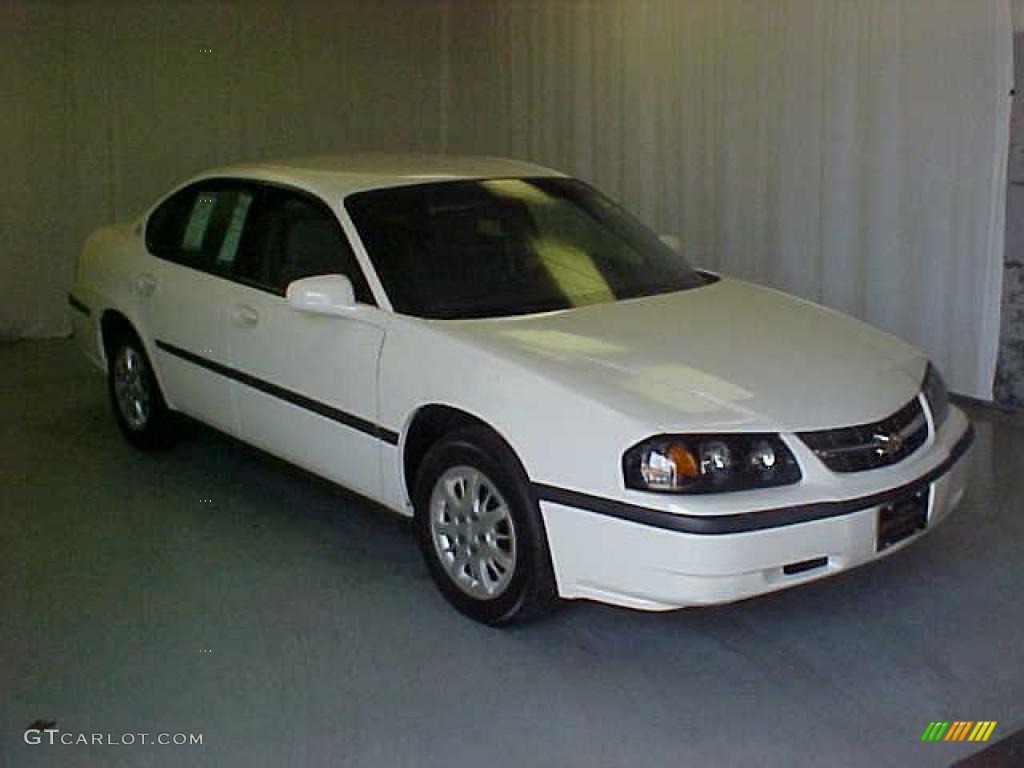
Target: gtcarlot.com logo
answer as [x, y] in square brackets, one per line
[54, 736]
[959, 730]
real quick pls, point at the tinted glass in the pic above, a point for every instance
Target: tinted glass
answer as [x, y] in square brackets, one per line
[201, 226]
[509, 246]
[296, 236]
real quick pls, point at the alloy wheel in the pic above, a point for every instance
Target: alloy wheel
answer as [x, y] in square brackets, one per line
[131, 387]
[472, 531]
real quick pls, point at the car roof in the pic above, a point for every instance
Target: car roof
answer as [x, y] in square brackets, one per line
[335, 176]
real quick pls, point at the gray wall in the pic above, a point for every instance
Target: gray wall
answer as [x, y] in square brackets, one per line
[1009, 386]
[107, 104]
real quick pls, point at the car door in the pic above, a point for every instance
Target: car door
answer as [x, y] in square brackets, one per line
[185, 294]
[307, 390]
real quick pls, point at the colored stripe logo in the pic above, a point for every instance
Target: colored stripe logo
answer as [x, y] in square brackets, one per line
[959, 730]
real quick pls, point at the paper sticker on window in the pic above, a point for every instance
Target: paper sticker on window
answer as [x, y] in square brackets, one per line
[199, 222]
[229, 248]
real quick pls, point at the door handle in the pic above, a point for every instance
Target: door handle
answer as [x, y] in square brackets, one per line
[246, 315]
[145, 285]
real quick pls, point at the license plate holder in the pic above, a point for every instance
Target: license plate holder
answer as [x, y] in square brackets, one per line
[902, 518]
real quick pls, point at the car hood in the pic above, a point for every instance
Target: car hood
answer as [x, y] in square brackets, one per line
[727, 355]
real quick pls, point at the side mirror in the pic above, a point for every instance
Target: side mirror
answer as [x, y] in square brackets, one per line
[673, 242]
[322, 295]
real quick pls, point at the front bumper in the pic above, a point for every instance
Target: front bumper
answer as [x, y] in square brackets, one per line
[650, 559]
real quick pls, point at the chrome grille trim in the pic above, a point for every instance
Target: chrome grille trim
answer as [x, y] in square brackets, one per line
[873, 445]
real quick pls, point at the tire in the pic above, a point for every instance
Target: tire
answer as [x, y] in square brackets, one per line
[139, 406]
[505, 574]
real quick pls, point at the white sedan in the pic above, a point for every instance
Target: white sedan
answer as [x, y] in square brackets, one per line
[564, 406]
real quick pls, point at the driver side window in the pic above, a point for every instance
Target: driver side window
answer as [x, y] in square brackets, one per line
[296, 236]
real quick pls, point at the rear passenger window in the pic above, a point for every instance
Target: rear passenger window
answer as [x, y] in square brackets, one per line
[201, 226]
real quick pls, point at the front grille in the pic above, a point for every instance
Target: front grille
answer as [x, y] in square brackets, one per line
[869, 446]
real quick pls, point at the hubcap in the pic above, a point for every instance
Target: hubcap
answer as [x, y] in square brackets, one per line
[473, 533]
[131, 387]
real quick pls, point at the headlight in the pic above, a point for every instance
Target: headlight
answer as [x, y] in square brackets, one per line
[936, 394]
[709, 463]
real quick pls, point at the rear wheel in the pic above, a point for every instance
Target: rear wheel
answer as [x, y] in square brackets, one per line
[480, 530]
[135, 396]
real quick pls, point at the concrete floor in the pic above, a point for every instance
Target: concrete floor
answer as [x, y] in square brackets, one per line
[214, 590]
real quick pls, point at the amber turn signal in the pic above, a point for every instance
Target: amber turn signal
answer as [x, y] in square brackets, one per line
[686, 464]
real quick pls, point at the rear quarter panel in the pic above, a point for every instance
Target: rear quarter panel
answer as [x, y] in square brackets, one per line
[110, 258]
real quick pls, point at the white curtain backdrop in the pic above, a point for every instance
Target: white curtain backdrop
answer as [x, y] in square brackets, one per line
[850, 151]
[853, 153]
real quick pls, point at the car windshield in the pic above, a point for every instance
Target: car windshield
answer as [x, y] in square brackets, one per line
[495, 247]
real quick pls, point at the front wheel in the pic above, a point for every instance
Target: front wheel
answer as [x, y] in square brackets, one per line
[480, 530]
[135, 396]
